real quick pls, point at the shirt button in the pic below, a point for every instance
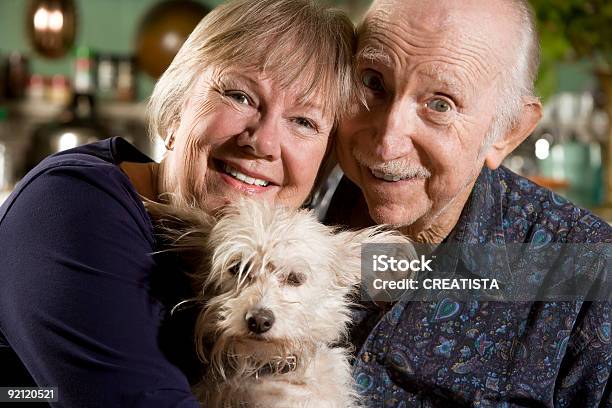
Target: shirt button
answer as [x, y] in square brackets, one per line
[366, 357]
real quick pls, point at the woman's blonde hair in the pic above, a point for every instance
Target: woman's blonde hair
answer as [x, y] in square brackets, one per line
[291, 41]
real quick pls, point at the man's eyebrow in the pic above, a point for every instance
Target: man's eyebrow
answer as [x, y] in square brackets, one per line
[452, 81]
[374, 55]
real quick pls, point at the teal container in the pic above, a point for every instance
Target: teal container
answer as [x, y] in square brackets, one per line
[580, 165]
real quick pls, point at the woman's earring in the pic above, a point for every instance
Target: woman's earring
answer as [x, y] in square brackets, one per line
[170, 143]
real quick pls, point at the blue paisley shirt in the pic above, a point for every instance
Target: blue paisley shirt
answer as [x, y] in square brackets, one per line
[489, 354]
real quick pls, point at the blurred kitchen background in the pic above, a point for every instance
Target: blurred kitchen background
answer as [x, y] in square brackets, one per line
[74, 71]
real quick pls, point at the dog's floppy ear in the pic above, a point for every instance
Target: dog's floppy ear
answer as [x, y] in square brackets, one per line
[180, 226]
[348, 263]
[177, 217]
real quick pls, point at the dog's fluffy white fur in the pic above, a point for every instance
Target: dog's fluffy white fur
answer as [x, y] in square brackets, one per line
[254, 257]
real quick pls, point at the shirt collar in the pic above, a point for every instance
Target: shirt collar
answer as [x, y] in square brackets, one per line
[479, 230]
[481, 219]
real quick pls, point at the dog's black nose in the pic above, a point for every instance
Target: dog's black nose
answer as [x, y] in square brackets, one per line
[260, 320]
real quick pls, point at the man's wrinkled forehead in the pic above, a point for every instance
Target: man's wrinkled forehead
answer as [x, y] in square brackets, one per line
[447, 26]
[391, 15]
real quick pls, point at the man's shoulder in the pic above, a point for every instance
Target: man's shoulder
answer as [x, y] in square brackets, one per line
[529, 209]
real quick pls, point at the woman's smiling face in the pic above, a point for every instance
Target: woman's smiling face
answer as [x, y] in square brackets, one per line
[242, 134]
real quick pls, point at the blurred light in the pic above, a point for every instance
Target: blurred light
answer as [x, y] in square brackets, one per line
[172, 41]
[48, 20]
[41, 19]
[542, 149]
[557, 154]
[159, 149]
[56, 20]
[517, 163]
[3, 180]
[67, 141]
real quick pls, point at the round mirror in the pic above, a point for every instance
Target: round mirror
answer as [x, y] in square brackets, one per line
[163, 31]
[51, 26]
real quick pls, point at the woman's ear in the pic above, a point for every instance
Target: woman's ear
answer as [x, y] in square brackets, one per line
[169, 142]
[527, 121]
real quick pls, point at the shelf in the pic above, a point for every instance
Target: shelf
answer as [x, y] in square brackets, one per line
[41, 110]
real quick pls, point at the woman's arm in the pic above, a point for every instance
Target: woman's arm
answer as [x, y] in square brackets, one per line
[74, 298]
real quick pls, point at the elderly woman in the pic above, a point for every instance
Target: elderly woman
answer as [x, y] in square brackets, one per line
[246, 108]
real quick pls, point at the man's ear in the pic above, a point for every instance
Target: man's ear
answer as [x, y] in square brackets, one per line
[528, 119]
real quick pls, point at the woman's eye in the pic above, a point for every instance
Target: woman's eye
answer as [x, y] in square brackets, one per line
[239, 97]
[295, 279]
[439, 105]
[305, 123]
[372, 81]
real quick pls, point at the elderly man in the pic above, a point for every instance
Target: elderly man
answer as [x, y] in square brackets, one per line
[449, 94]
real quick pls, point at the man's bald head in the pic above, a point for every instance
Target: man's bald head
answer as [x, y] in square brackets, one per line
[448, 88]
[508, 24]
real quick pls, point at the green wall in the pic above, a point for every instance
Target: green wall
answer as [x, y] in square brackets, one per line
[110, 26]
[104, 25]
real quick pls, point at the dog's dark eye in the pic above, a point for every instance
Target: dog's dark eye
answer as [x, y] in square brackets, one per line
[295, 279]
[234, 269]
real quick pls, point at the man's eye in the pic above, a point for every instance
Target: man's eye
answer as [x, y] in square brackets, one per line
[372, 81]
[239, 97]
[439, 105]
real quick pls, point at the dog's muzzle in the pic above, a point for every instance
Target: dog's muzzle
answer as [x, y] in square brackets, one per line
[259, 321]
[279, 365]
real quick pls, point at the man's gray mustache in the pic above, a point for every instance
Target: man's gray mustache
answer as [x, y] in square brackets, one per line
[400, 168]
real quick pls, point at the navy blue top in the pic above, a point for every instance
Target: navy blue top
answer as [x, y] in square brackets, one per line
[77, 306]
[450, 353]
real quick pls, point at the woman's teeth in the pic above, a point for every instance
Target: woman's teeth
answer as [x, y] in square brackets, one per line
[243, 177]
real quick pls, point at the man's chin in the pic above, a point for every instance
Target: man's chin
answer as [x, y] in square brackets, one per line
[393, 214]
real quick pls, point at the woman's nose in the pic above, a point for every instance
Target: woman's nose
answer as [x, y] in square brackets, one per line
[263, 140]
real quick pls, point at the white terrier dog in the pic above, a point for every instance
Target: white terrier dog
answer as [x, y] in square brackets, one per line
[275, 287]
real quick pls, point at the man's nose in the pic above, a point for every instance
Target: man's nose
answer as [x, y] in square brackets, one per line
[263, 138]
[395, 130]
[260, 320]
